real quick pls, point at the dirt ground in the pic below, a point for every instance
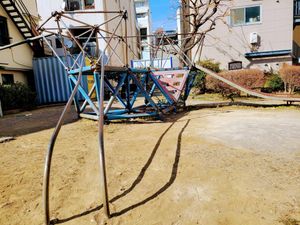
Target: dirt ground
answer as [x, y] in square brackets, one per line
[225, 166]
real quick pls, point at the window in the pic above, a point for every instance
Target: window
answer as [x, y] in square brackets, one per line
[140, 15]
[4, 37]
[58, 43]
[139, 4]
[244, 16]
[89, 4]
[7, 79]
[72, 5]
[143, 32]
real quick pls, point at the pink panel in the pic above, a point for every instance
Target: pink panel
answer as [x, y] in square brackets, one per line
[173, 81]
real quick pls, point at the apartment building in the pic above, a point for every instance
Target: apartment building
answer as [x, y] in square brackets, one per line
[143, 16]
[255, 34]
[45, 8]
[17, 22]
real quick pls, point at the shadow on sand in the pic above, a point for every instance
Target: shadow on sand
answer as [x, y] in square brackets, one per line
[139, 178]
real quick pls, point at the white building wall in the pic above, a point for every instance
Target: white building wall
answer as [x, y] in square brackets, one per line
[230, 43]
[145, 22]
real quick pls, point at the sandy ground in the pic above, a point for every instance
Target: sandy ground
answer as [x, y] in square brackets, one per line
[231, 165]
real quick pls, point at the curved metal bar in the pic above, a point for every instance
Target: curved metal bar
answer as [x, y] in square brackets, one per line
[49, 153]
[103, 180]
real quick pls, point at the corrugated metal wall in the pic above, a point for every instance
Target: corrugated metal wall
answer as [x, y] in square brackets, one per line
[51, 81]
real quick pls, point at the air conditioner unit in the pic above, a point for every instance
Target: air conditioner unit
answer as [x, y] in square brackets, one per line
[74, 5]
[253, 38]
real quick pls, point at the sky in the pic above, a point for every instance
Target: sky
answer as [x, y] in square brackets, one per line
[163, 14]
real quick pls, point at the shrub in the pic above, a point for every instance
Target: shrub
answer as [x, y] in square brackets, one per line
[16, 96]
[290, 76]
[273, 83]
[200, 80]
[211, 65]
[249, 78]
[215, 86]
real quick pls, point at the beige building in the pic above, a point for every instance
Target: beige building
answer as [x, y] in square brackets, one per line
[45, 8]
[17, 19]
[256, 33]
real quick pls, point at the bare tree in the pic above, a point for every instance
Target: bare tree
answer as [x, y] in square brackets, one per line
[290, 75]
[198, 18]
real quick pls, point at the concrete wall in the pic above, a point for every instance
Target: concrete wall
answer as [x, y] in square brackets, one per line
[31, 5]
[229, 43]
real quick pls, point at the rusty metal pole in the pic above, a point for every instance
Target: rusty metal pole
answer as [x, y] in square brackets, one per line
[125, 16]
[103, 180]
[49, 153]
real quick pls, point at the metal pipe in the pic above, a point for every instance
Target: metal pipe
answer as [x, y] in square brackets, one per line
[49, 45]
[88, 12]
[28, 40]
[113, 50]
[103, 179]
[109, 40]
[62, 42]
[83, 47]
[48, 158]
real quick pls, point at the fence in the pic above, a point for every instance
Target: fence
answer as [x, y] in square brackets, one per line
[154, 63]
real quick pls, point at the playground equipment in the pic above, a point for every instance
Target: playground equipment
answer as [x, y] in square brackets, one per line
[139, 92]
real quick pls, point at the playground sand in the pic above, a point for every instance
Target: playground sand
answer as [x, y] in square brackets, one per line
[211, 166]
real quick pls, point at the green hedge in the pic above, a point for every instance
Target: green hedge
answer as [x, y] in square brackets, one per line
[17, 96]
[200, 80]
[274, 83]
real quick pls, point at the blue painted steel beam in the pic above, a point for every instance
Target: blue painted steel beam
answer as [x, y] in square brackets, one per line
[137, 92]
[76, 102]
[85, 69]
[136, 70]
[189, 83]
[127, 83]
[112, 90]
[146, 95]
[118, 111]
[85, 95]
[83, 106]
[115, 93]
[129, 116]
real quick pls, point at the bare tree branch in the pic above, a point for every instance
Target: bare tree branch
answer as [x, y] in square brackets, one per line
[201, 16]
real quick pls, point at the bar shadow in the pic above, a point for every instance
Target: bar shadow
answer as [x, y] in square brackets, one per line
[139, 179]
[165, 186]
